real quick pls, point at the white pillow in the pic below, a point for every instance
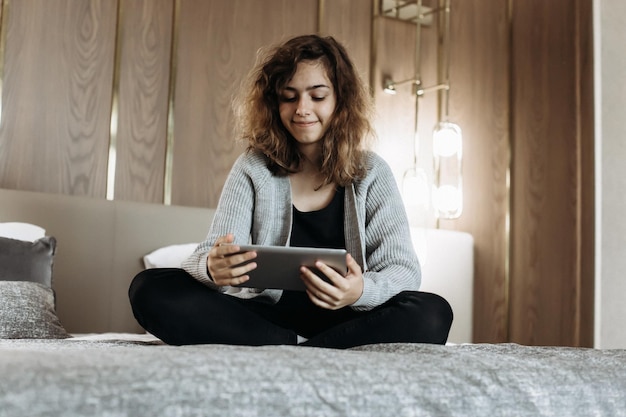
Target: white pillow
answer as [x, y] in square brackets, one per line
[21, 231]
[169, 256]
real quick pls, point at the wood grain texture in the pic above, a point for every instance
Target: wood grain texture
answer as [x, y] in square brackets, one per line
[395, 114]
[585, 326]
[218, 41]
[57, 95]
[479, 103]
[545, 239]
[145, 31]
[395, 120]
[349, 21]
[520, 90]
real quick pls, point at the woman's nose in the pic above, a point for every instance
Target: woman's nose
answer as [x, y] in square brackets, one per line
[302, 108]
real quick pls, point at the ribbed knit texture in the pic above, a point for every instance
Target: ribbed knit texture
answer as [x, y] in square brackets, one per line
[256, 207]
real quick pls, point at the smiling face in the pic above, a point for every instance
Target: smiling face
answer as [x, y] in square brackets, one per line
[307, 104]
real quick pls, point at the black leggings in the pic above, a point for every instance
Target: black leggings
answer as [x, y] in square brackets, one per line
[178, 309]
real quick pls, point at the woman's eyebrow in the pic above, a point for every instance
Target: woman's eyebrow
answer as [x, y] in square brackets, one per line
[313, 87]
[318, 86]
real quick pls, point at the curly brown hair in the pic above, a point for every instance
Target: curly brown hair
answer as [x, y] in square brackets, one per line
[259, 120]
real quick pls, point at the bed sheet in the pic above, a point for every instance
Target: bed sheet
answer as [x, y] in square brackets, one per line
[114, 377]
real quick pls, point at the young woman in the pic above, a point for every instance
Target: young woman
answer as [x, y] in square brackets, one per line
[306, 179]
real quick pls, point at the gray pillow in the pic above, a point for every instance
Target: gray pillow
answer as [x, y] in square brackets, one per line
[27, 261]
[27, 312]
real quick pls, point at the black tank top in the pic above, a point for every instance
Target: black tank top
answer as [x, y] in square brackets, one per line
[320, 228]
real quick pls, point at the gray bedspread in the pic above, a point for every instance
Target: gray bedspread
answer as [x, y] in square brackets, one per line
[135, 379]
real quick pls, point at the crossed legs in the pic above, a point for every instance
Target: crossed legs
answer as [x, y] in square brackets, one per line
[179, 310]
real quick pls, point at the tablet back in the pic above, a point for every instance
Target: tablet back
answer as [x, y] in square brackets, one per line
[278, 267]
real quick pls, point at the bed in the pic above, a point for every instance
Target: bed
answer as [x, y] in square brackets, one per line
[70, 346]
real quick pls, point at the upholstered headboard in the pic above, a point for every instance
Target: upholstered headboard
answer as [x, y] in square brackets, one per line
[101, 244]
[100, 247]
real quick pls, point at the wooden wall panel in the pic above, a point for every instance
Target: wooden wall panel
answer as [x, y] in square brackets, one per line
[546, 230]
[217, 47]
[584, 68]
[145, 30]
[395, 50]
[350, 22]
[395, 58]
[521, 91]
[479, 103]
[56, 100]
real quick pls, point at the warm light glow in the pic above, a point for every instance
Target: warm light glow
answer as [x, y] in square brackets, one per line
[420, 244]
[448, 201]
[448, 159]
[447, 140]
[416, 190]
[416, 196]
[441, 190]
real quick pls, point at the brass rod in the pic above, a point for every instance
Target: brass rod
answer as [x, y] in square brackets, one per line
[321, 9]
[509, 195]
[169, 144]
[376, 6]
[417, 84]
[418, 48]
[4, 9]
[114, 122]
[438, 87]
[445, 65]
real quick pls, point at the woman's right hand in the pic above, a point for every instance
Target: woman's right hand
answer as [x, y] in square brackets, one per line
[227, 265]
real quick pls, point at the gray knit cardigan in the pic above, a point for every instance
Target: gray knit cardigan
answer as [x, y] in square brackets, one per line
[256, 207]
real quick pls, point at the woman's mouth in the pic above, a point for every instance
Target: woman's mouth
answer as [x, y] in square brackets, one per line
[304, 124]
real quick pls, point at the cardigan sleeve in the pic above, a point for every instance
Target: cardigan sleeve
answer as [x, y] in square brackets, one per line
[392, 265]
[233, 215]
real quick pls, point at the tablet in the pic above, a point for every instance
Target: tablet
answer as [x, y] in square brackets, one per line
[278, 267]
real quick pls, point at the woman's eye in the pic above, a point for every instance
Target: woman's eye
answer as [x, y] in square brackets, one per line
[318, 98]
[288, 99]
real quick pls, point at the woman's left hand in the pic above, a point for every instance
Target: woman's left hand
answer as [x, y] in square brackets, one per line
[340, 292]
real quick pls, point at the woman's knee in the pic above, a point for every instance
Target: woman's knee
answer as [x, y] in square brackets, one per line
[137, 284]
[443, 313]
[432, 313]
[140, 285]
[149, 283]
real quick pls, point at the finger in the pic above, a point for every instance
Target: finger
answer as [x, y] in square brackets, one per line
[353, 267]
[233, 266]
[226, 250]
[227, 238]
[316, 297]
[321, 302]
[238, 258]
[337, 280]
[219, 245]
[319, 289]
[233, 281]
[241, 269]
[314, 281]
[228, 275]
